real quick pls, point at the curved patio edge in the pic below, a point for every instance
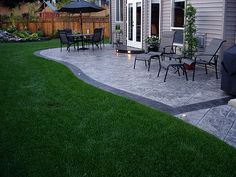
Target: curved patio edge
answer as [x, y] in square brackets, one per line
[146, 101]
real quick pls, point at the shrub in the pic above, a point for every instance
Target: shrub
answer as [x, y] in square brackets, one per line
[11, 29]
[40, 33]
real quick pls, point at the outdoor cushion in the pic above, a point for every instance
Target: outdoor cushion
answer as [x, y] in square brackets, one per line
[229, 62]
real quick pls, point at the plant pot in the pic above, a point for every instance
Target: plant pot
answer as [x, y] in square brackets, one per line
[153, 48]
[189, 67]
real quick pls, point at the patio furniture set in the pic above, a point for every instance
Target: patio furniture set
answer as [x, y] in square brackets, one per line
[168, 56]
[68, 38]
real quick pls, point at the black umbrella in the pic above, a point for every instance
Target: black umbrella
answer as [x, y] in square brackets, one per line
[80, 6]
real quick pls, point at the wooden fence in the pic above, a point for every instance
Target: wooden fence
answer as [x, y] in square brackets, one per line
[50, 25]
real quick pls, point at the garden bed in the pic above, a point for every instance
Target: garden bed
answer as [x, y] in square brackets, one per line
[27, 40]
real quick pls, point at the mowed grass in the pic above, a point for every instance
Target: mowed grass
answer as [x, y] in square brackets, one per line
[55, 125]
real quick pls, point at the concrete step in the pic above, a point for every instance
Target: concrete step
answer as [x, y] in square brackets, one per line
[232, 103]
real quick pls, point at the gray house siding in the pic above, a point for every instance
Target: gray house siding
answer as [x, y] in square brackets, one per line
[210, 17]
[165, 15]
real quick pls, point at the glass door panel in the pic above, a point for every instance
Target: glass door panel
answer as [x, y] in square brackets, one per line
[138, 21]
[130, 21]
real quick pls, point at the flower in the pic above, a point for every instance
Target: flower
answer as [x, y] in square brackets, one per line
[152, 40]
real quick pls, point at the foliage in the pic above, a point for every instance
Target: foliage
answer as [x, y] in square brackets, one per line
[13, 17]
[31, 11]
[5, 17]
[117, 28]
[11, 29]
[40, 33]
[190, 31]
[14, 3]
[152, 40]
[60, 3]
[26, 35]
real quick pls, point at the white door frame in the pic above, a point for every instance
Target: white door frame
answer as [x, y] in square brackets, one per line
[134, 42]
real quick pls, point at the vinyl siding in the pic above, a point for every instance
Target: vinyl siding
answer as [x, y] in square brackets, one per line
[210, 17]
[165, 15]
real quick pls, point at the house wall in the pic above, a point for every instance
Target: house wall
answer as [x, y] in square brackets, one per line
[230, 23]
[209, 17]
[114, 22]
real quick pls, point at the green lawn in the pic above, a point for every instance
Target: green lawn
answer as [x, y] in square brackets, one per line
[55, 125]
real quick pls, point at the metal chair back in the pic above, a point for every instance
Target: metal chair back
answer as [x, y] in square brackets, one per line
[212, 49]
[97, 36]
[63, 36]
[167, 39]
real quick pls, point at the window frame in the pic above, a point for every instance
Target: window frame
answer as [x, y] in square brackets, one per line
[120, 11]
[172, 27]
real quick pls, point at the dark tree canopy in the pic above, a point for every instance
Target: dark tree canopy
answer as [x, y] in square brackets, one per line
[14, 3]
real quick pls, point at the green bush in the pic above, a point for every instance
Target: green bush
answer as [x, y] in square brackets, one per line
[22, 34]
[11, 29]
[33, 36]
[26, 35]
[40, 33]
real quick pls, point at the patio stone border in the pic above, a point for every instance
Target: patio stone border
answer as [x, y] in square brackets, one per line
[146, 101]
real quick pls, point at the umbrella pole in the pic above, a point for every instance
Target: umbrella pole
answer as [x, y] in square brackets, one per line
[81, 23]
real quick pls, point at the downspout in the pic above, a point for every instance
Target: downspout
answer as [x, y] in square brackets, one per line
[110, 22]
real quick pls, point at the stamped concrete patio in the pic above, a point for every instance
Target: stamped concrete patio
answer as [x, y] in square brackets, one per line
[200, 103]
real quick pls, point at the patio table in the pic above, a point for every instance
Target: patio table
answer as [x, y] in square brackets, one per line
[82, 36]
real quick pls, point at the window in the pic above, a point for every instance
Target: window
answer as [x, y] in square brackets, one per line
[178, 11]
[119, 10]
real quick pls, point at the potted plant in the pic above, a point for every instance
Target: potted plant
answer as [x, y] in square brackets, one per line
[152, 42]
[117, 28]
[190, 46]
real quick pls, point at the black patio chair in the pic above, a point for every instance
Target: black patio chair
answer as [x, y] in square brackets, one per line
[64, 40]
[207, 58]
[175, 60]
[165, 47]
[96, 38]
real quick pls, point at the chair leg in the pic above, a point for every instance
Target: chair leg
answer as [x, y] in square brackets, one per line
[159, 67]
[178, 70]
[216, 70]
[149, 64]
[61, 47]
[134, 63]
[185, 72]
[194, 68]
[166, 73]
[206, 69]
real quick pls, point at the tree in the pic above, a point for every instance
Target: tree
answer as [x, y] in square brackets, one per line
[14, 3]
[190, 31]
